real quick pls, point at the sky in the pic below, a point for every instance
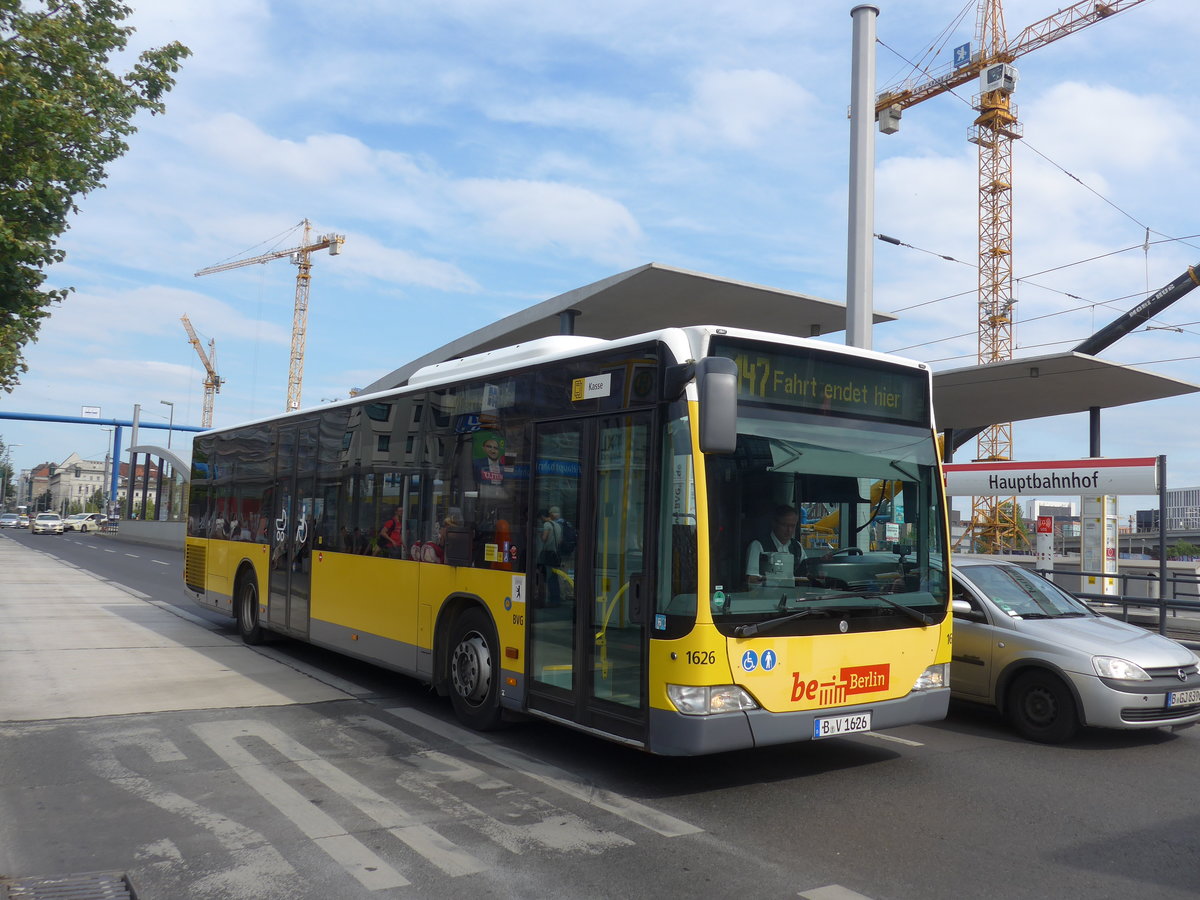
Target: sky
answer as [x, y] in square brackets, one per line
[483, 156]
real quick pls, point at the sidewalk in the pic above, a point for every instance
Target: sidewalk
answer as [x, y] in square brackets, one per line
[73, 645]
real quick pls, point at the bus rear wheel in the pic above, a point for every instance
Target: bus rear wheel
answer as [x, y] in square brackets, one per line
[474, 671]
[247, 611]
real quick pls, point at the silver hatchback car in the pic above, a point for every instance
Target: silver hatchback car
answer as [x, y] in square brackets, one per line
[1052, 664]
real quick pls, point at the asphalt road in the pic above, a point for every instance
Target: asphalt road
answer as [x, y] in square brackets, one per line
[382, 794]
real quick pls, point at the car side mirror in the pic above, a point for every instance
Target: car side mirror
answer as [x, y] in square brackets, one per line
[965, 610]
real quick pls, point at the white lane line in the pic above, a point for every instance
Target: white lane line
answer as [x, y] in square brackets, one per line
[107, 550]
[372, 872]
[833, 892]
[557, 778]
[159, 562]
[133, 556]
[893, 739]
[249, 848]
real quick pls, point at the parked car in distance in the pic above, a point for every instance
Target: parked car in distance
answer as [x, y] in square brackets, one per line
[10, 520]
[47, 523]
[1052, 664]
[84, 522]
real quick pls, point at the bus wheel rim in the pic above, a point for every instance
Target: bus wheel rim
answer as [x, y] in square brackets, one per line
[471, 668]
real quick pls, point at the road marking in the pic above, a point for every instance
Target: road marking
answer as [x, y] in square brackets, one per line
[507, 815]
[223, 737]
[893, 739]
[107, 550]
[133, 556]
[559, 779]
[833, 892]
[160, 562]
[372, 872]
[257, 865]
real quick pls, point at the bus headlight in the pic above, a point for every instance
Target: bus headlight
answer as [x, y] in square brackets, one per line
[934, 677]
[692, 700]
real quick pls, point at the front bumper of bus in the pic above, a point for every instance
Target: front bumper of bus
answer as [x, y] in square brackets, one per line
[674, 734]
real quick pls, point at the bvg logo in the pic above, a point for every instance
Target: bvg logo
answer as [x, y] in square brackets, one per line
[850, 680]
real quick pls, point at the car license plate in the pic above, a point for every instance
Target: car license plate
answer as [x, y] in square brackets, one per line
[1183, 698]
[833, 726]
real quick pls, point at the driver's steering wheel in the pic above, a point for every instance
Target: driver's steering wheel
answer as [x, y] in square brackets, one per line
[849, 551]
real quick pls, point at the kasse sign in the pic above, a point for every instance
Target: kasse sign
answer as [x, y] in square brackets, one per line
[1068, 476]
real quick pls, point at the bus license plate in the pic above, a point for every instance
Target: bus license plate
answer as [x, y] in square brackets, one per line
[1183, 698]
[838, 725]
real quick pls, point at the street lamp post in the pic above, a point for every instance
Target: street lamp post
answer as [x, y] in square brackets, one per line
[171, 423]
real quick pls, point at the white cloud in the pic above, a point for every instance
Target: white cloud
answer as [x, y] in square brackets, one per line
[319, 158]
[534, 215]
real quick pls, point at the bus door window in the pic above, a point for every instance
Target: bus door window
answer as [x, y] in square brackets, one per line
[620, 526]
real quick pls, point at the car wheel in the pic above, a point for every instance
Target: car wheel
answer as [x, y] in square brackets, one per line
[474, 674]
[1041, 708]
[247, 611]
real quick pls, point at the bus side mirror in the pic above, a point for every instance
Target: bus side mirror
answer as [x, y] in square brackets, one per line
[716, 382]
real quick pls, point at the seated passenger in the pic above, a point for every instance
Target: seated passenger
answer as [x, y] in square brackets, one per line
[776, 558]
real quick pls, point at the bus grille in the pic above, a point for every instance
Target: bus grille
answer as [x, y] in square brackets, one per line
[195, 564]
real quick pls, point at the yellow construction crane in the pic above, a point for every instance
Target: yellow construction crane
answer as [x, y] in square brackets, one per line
[300, 256]
[994, 522]
[212, 381]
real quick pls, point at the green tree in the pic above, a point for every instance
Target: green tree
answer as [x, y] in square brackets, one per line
[64, 116]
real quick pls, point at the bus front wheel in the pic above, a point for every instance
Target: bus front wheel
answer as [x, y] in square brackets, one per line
[247, 611]
[474, 672]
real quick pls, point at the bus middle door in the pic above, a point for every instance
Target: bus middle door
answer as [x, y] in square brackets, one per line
[587, 636]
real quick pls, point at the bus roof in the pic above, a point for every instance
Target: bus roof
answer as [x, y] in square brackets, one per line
[649, 298]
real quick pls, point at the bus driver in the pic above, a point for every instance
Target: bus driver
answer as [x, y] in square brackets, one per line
[777, 559]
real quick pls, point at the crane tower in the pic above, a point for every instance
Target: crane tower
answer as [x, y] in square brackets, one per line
[301, 257]
[212, 381]
[994, 523]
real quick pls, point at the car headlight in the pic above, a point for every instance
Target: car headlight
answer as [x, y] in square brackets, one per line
[1120, 669]
[692, 700]
[933, 677]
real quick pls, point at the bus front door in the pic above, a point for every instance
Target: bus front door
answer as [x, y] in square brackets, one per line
[291, 530]
[587, 647]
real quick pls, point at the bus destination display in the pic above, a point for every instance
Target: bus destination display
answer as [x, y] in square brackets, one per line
[804, 379]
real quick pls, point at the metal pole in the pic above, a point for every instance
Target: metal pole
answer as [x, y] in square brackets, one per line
[1162, 544]
[131, 482]
[171, 422]
[860, 263]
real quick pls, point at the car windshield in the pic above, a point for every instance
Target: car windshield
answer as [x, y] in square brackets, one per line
[1023, 594]
[838, 520]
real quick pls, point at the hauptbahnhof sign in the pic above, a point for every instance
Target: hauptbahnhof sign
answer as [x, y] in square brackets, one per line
[1137, 475]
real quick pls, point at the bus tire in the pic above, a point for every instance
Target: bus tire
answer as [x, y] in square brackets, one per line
[1041, 708]
[474, 676]
[247, 611]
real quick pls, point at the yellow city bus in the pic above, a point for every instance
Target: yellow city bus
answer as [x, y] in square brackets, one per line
[563, 529]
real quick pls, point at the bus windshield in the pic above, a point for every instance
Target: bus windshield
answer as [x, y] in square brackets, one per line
[816, 520]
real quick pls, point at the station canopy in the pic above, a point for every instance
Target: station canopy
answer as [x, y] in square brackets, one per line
[1039, 386]
[654, 296]
[647, 298]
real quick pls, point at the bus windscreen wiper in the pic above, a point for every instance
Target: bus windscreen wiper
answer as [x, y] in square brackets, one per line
[755, 627]
[915, 614]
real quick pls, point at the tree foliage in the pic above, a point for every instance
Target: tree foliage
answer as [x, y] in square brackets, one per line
[64, 116]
